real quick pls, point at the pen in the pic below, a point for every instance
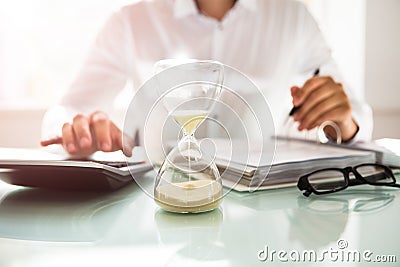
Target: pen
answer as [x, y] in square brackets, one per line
[295, 109]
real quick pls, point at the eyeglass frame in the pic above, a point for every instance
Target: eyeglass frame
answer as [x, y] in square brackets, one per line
[304, 184]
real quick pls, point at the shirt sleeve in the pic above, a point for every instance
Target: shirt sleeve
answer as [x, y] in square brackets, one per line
[317, 54]
[102, 76]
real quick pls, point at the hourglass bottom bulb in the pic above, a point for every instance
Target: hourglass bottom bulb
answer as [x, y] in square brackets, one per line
[189, 197]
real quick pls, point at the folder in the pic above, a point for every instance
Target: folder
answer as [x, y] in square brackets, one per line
[39, 168]
[292, 159]
[387, 150]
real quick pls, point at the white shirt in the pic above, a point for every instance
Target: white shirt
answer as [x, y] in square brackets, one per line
[274, 42]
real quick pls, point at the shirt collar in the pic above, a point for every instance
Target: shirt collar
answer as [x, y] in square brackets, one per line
[184, 8]
[248, 4]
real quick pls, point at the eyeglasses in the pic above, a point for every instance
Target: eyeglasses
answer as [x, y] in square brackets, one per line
[332, 180]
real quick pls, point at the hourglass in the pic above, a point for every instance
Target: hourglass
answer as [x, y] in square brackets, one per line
[188, 180]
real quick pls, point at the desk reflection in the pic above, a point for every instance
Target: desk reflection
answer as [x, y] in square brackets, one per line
[317, 221]
[347, 202]
[197, 234]
[60, 216]
[320, 220]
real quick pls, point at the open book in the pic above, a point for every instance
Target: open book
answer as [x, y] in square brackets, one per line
[39, 168]
[266, 168]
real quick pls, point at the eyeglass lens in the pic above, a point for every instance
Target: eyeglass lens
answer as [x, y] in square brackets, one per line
[375, 174]
[327, 180]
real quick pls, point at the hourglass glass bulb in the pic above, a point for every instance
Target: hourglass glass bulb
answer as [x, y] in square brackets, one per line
[188, 180]
[189, 120]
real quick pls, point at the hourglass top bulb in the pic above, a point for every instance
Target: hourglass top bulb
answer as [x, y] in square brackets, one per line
[189, 119]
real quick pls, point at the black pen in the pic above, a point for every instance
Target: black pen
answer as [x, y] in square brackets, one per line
[295, 109]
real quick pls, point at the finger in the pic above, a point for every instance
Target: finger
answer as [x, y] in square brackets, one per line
[293, 90]
[52, 141]
[120, 141]
[317, 96]
[128, 141]
[343, 101]
[319, 110]
[128, 145]
[116, 136]
[337, 114]
[68, 138]
[308, 87]
[100, 125]
[82, 131]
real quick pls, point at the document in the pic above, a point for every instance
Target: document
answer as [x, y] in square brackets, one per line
[39, 168]
[263, 168]
[387, 150]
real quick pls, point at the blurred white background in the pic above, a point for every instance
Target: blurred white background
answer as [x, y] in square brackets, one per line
[43, 44]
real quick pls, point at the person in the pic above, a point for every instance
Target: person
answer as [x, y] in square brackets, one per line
[267, 40]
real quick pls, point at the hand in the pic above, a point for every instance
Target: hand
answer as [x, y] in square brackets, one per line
[322, 99]
[87, 135]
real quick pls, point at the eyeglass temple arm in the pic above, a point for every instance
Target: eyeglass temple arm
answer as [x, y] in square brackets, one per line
[303, 184]
[377, 177]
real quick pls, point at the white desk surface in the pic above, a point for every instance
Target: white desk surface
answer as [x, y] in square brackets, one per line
[126, 228]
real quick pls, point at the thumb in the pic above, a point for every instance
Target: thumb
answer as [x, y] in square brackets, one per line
[294, 91]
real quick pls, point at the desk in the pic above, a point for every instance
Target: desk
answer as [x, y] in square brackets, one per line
[126, 228]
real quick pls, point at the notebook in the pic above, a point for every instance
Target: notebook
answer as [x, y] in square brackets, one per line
[283, 166]
[39, 168]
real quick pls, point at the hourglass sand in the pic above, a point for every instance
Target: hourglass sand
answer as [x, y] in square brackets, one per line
[188, 180]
